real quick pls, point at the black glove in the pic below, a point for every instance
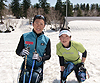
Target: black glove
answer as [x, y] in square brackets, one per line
[24, 52]
[80, 64]
[37, 57]
[81, 67]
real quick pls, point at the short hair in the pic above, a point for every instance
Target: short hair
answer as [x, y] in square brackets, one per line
[65, 29]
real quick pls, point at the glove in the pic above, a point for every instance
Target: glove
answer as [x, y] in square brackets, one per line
[24, 52]
[80, 64]
[37, 57]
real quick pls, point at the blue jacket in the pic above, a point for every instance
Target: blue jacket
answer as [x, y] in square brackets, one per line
[40, 43]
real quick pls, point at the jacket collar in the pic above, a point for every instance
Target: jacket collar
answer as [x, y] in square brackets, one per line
[37, 35]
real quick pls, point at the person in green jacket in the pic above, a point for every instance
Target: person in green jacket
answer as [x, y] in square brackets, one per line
[69, 58]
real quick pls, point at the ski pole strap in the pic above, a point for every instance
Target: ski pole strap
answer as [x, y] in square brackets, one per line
[25, 67]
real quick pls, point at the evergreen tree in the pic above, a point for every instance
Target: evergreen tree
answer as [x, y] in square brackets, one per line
[46, 6]
[37, 6]
[76, 7]
[79, 12]
[69, 8]
[92, 7]
[99, 10]
[63, 9]
[2, 6]
[87, 7]
[82, 6]
[21, 10]
[58, 5]
[15, 8]
[26, 4]
[97, 7]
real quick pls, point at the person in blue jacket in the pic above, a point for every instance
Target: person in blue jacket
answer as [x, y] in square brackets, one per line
[38, 44]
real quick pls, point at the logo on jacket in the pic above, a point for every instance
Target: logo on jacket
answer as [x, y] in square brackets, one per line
[68, 53]
[28, 42]
[42, 44]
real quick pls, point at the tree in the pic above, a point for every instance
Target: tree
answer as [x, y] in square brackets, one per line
[58, 5]
[26, 4]
[82, 6]
[61, 8]
[76, 7]
[97, 7]
[55, 18]
[87, 12]
[31, 12]
[15, 8]
[46, 6]
[64, 9]
[99, 10]
[92, 7]
[69, 8]
[36, 6]
[87, 7]
[2, 6]
[21, 10]
[79, 12]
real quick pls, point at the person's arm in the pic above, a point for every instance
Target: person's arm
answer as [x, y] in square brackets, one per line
[48, 52]
[61, 61]
[84, 55]
[20, 46]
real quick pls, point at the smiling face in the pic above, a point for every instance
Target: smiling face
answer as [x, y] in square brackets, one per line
[65, 39]
[38, 25]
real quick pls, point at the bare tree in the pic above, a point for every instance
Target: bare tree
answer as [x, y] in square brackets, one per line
[32, 12]
[55, 19]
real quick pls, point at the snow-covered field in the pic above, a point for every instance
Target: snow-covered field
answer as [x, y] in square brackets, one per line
[86, 32]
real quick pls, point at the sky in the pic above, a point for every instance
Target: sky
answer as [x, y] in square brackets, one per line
[53, 2]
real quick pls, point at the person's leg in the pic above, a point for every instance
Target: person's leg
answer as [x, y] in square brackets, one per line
[80, 73]
[21, 73]
[37, 76]
[69, 67]
[27, 73]
[76, 69]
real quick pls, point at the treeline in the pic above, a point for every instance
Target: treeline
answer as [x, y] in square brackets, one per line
[57, 13]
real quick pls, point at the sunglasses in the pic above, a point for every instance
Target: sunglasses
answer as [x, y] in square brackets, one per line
[40, 17]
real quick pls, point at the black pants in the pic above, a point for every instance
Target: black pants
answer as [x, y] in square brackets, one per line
[37, 75]
[76, 69]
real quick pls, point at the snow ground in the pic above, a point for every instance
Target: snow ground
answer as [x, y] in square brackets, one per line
[86, 32]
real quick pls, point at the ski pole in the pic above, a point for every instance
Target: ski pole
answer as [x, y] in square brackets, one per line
[28, 43]
[25, 68]
[31, 71]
